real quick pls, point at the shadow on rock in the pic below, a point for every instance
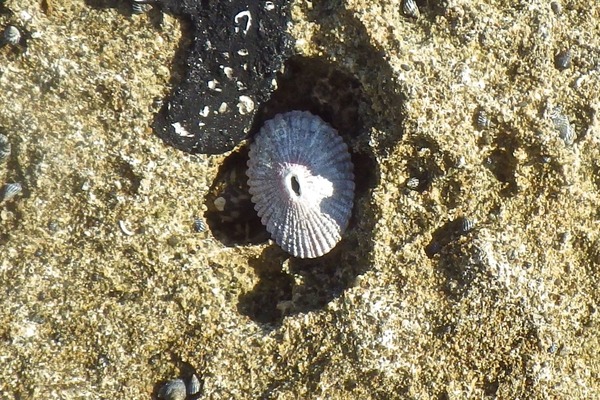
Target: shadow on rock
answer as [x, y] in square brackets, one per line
[289, 286]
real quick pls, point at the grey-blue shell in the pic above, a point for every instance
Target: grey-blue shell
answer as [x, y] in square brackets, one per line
[302, 183]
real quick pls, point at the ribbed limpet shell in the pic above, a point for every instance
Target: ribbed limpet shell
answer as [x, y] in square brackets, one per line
[302, 183]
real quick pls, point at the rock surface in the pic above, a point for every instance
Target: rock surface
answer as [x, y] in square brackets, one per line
[108, 291]
[236, 51]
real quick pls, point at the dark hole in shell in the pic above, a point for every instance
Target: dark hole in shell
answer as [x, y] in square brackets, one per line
[295, 185]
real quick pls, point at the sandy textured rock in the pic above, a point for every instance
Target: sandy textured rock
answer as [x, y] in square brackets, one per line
[108, 291]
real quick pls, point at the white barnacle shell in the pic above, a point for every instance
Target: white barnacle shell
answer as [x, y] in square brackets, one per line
[302, 183]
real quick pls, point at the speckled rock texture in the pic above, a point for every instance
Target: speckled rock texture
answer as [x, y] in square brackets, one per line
[470, 268]
[237, 48]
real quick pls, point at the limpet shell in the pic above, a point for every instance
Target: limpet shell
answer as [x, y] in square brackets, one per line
[10, 190]
[173, 390]
[4, 147]
[563, 59]
[562, 125]
[139, 6]
[483, 120]
[193, 386]
[410, 9]
[12, 35]
[301, 180]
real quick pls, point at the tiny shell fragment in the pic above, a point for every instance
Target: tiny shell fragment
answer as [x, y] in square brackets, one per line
[4, 147]
[125, 229]
[483, 120]
[193, 386]
[139, 7]
[199, 225]
[467, 225]
[410, 9]
[562, 125]
[10, 190]
[413, 183]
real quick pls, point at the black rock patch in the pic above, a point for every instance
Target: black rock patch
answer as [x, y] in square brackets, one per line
[237, 49]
